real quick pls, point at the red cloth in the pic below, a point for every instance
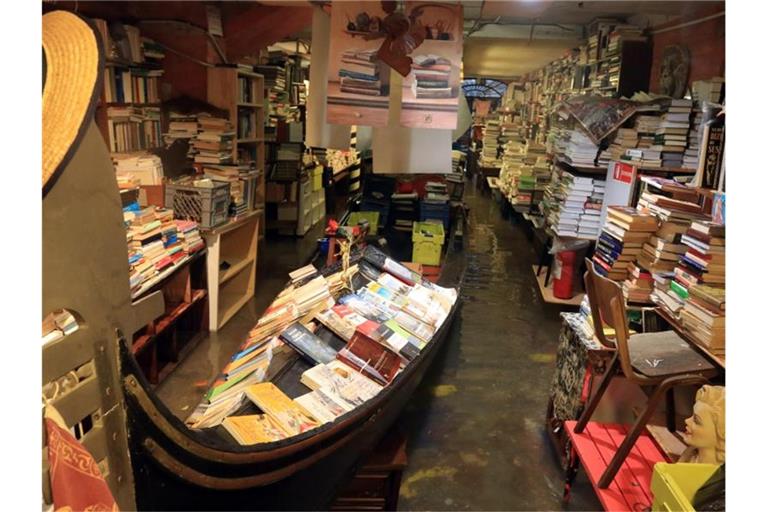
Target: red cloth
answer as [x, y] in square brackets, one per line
[76, 482]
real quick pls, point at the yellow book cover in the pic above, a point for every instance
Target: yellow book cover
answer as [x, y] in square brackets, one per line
[253, 429]
[280, 408]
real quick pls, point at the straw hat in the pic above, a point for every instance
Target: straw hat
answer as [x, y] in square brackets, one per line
[72, 63]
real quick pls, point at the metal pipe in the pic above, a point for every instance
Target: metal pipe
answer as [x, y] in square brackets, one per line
[688, 23]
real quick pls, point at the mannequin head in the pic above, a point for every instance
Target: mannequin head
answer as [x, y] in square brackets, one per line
[705, 430]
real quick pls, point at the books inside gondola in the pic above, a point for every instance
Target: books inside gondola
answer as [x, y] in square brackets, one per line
[330, 342]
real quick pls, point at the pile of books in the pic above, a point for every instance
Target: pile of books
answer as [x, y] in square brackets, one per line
[669, 200]
[704, 260]
[58, 324]
[153, 240]
[359, 72]
[638, 286]
[626, 138]
[703, 316]
[489, 157]
[578, 201]
[356, 344]
[581, 151]
[404, 210]
[180, 126]
[691, 155]
[708, 90]
[213, 142]
[621, 240]
[143, 169]
[432, 75]
[188, 233]
[240, 179]
[672, 134]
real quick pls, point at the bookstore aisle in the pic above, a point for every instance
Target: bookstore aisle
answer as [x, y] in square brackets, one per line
[477, 421]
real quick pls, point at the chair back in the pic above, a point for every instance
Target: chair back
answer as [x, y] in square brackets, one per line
[606, 302]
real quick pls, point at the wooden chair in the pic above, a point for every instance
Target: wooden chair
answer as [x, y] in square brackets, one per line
[659, 360]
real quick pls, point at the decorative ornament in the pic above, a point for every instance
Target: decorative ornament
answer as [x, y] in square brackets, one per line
[675, 65]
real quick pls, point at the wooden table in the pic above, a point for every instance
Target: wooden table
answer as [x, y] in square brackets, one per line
[679, 329]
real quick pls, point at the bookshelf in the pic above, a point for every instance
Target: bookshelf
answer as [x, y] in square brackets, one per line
[232, 285]
[240, 92]
[164, 342]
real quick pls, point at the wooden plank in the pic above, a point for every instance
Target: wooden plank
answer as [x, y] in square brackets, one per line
[594, 465]
[546, 291]
[636, 468]
[624, 481]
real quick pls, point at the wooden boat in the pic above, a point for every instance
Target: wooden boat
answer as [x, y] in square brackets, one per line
[179, 468]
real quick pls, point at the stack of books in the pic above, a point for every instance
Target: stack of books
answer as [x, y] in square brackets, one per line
[171, 242]
[669, 200]
[214, 140]
[404, 210]
[432, 75]
[144, 168]
[638, 286]
[703, 316]
[434, 205]
[626, 138]
[156, 241]
[672, 134]
[704, 260]
[662, 250]
[359, 73]
[58, 324]
[180, 126]
[621, 240]
[581, 151]
[710, 90]
[131, 85]
[491, 133]
[691, 155]
[188, 233]
[579, 203]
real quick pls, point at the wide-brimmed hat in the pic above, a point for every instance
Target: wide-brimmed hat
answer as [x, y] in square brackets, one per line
[72, 61]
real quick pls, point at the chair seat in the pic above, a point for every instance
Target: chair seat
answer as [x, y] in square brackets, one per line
[665, 353]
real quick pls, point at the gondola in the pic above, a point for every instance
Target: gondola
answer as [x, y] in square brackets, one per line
[176, 468]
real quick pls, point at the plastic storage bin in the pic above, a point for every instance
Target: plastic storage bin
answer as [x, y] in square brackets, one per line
[674, 485]
[428, 238]
[207, 206]
[371, 217]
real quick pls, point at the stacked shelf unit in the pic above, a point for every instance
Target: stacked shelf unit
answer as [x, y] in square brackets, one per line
[239, 91]
[231, 266]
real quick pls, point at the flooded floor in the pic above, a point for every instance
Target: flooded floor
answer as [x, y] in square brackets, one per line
[476, 424]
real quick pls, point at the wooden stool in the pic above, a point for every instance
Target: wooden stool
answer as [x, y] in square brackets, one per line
[376, 485]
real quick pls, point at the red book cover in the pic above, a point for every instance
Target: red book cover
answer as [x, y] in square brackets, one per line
[370, 353]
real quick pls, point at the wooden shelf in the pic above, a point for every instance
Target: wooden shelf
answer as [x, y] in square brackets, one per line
[159, 278]
[166, 321]
[250, 105]
[250, 140]
[234, 269]
[546, 291]
[230, 304]
[580, 168]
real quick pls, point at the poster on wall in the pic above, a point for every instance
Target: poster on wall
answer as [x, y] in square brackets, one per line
[358, 81]
[431, 89]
